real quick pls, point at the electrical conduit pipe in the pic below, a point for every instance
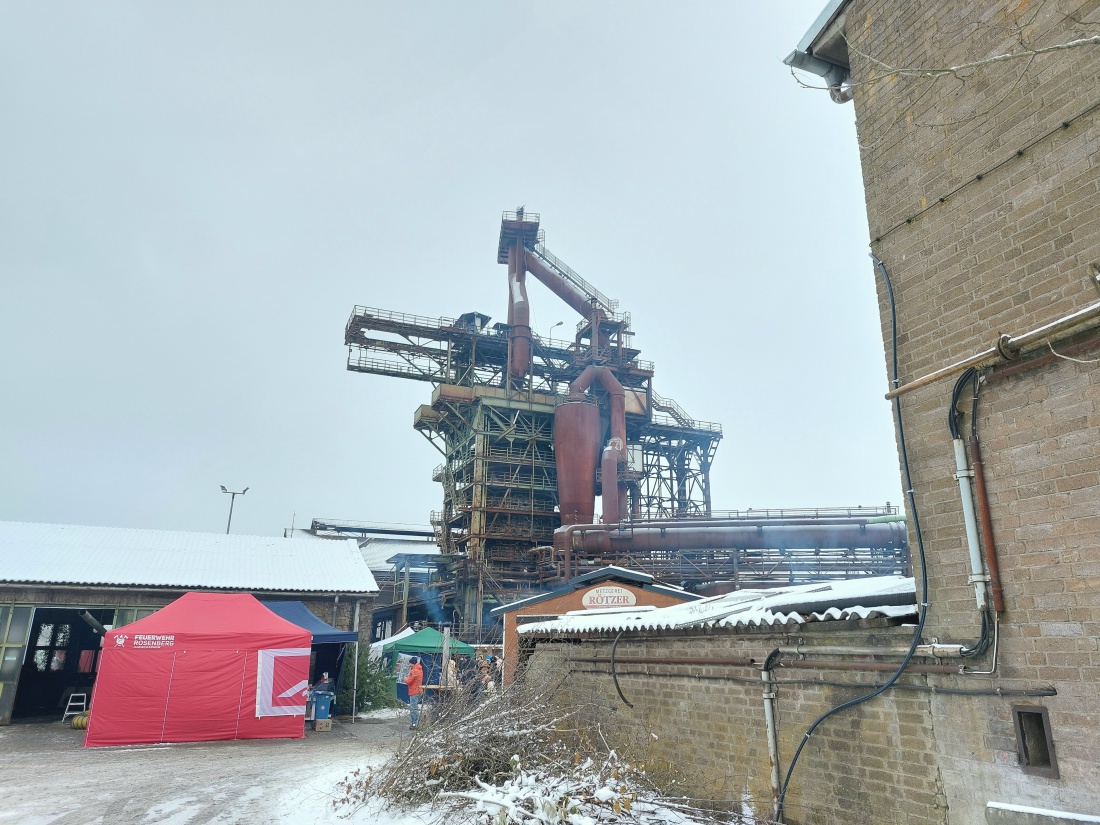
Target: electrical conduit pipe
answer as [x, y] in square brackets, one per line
[963, 474]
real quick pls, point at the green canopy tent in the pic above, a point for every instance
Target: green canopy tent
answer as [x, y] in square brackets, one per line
[427, 645]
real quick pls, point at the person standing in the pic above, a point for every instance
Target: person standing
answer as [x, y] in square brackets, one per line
[415, 683]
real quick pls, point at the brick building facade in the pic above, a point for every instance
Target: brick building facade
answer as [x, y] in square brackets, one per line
[983, 198]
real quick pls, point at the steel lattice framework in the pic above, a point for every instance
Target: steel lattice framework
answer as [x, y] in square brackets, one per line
[495, 431]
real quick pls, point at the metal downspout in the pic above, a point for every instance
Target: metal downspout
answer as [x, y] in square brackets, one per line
[963, 474]
[773, 731]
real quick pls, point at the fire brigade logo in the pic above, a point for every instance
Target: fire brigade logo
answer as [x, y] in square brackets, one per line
[120, 641]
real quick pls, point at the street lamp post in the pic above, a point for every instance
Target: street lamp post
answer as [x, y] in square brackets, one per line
[232, 499]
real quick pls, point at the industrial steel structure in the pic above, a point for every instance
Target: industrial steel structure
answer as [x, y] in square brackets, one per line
[531, 428]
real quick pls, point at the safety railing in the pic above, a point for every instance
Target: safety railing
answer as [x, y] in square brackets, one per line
[807, 513]
[361, 363]
[566, 272]
[669, 421]
[366, 314]
[672, 408]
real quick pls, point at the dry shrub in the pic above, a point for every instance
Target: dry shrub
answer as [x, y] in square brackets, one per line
[527, 756]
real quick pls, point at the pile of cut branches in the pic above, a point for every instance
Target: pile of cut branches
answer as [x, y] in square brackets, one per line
[517, 757]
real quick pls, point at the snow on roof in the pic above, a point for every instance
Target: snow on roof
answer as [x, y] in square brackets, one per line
[377, 551]
[73, 554]
[890, 596]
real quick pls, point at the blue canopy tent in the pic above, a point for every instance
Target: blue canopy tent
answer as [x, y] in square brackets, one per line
[329, 644]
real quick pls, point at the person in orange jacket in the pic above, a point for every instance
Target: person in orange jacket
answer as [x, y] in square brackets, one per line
[415, 682]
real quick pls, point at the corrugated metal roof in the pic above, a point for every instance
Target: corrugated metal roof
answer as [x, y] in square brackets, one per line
[890, 596]
[376, 551]
[73, 554]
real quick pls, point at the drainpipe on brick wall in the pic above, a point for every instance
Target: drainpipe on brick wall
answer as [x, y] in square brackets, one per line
[980, 578]
[963, 474]
[773, 732]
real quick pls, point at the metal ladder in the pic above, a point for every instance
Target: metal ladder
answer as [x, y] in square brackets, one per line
[78, 704]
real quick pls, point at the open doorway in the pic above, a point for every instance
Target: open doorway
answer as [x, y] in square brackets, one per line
[61, 659]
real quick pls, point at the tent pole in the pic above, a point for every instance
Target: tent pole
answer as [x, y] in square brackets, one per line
[355, 670]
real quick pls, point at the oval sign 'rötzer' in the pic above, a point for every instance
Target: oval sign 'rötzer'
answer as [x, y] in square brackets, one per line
[610, 596]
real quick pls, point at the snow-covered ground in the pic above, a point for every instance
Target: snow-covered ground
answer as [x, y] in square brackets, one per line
[48, 778]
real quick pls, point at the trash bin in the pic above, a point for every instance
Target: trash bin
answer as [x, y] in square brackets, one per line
[319, 709]
[322, 703]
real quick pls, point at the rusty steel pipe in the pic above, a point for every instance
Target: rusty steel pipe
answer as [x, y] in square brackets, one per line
[989, 546]
[614, 454]
[1006, 348]
[576, 454]
[680, 523]
[563, 543]
[519, 314]
[649, 660]
[891, 667]
[930, 651]
[572, 296]
[1015, 369]
[609, 469]
[798, 664]
[602, 539]
[606, 378]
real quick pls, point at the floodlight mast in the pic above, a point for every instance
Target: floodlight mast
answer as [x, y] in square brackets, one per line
[232, 499]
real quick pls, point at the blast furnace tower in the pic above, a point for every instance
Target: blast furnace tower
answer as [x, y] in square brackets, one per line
[491, 416]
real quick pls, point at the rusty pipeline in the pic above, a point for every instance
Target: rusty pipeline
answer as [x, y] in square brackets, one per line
[797, 664]
[572, 296]
[576, 454]
[989, 546]
[1007, 348]
[519, 314]
[607, 539]
[606, 378]
[577, 450]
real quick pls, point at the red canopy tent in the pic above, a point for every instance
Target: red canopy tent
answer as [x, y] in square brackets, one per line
[207, 666]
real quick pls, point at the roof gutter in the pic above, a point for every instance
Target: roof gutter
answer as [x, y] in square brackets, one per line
[823, 51]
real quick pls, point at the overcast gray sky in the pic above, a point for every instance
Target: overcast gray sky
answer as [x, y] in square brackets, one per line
[193, 196]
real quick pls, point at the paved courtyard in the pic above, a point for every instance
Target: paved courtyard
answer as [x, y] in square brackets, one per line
[47, 777]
